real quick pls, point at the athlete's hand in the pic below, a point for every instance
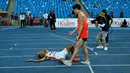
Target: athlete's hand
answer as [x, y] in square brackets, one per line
[77, 38]
[71, 33]
[29, 60]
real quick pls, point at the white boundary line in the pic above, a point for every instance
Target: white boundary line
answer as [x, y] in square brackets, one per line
[47, 35]
[56, 43]
[34, 43]
[55, 48]
[8, 37]
[26, 39]
[17, 56]
[42, 36]
[31, 48]
[52, 39]
[26, 34]
[79, 55]
[60, 66]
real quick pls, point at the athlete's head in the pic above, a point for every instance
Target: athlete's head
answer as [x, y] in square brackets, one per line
[42, 54]
[76, 8]
[70, 48]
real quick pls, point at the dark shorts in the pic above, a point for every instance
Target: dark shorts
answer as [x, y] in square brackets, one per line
[84, 39]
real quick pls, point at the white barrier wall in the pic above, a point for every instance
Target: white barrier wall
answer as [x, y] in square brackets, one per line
[68, 22]
[117, 22]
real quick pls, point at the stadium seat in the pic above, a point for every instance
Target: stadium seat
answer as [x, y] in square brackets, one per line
[4, 4]
[61, 8]
[110, 5]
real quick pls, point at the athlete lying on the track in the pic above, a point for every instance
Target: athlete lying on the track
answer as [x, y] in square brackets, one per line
[46, 55]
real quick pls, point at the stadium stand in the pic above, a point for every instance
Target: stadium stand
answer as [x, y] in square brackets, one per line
[61, 8]
[110, 5]
[4, 4]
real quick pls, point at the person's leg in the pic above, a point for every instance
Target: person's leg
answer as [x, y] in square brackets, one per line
[98, 38]
[24, 23]
[76, 48]
[107, 38]
[16, 22]
[54, 26]
[85, 50]
[12, 22]
[31, 23]
[70, 48]
[21, 23]
[104, 35]
[41, 21]
[51, 25]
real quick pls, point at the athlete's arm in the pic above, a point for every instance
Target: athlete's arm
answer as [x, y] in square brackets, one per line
[40, 60]
[71, 33]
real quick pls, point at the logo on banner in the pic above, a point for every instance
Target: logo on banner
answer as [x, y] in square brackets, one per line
[66, 22]
[118, 21]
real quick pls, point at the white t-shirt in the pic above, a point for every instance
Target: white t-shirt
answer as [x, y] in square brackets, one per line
[57, 55]
[22, 17]
[45, 16]
[28, 12]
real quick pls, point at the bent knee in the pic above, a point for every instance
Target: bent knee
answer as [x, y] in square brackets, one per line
[98, 38]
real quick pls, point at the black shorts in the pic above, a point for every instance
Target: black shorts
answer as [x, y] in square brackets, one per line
[84, 39]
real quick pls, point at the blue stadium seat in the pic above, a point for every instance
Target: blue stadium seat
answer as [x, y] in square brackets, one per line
[4, 4]
[110, 5]
[61, 8]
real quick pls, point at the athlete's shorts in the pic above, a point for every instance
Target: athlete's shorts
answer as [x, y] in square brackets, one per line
[85, 39]
[61, 54]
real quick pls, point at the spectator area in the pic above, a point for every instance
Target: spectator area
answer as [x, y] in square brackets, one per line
[110, 5]
[4, 5]
[61, 8]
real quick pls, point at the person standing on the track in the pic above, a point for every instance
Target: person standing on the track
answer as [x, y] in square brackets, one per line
[82, 36]
[52, 20]
[101, 37]
[109, 22]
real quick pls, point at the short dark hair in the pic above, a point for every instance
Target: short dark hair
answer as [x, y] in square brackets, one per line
[77, 6]
[104, 10]
[39, 56]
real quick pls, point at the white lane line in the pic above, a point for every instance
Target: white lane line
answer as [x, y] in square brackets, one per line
[60, 66]
[27, 39]
[90, 67]
[34, 43]
[52, 43]
[13, 46]
[79, 55]
[34, 34]
[24, 48]
[34, 48]
[17, 56]
[10, 37]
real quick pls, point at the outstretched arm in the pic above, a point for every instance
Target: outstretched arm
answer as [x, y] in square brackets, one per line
[40, 60]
